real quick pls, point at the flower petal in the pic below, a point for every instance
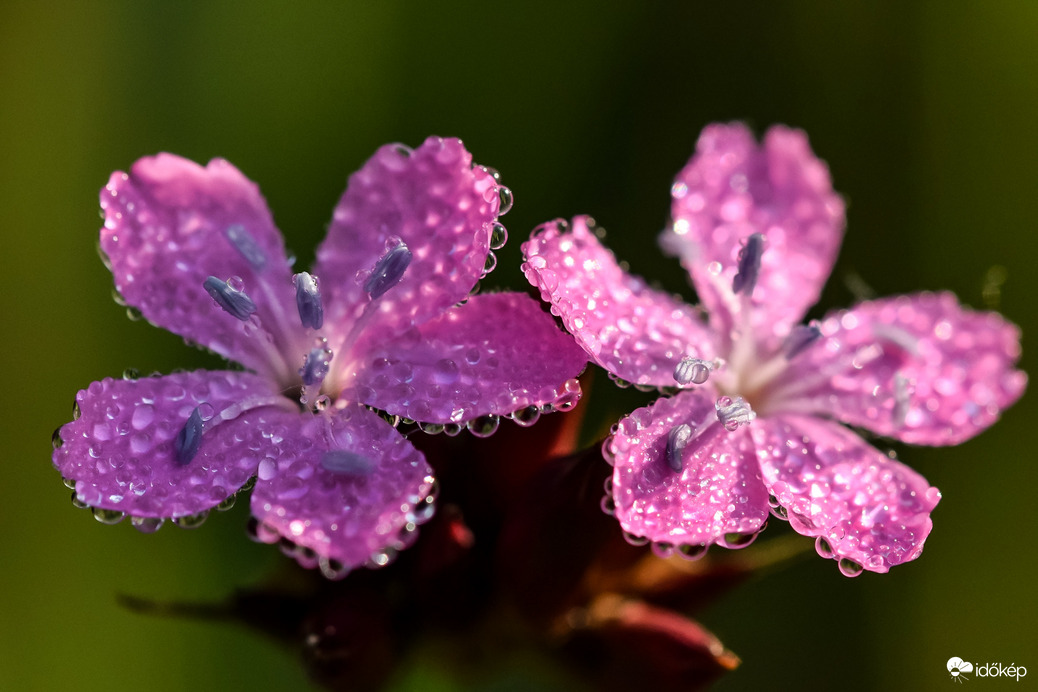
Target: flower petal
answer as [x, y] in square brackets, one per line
[121, 448]
[718, 491]
[170, 224]
[439, 205]
[495, 354]
[732, 189]
[868, 508]
[350, 515]
[919, 368]
[635, 332]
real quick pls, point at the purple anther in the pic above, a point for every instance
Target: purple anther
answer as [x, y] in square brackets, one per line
[677, 440]
[388, 271]
[308, 300]
[246, 246]
[749, 265]
[800, 338]
[346, 463]
[188, 440]
[692, 370]
[315, 367]
[733, 413]
[232, 299]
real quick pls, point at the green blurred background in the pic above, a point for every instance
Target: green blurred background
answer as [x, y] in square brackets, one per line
[927, 115]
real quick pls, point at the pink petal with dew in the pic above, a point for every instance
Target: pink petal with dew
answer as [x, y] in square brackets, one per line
[731, 189]
[919, 368]
[347, 515]
[862, 505]
[435, 201]
[169, 225]
[496, 354]
[717, 493]
[120, 450]
[635, 332]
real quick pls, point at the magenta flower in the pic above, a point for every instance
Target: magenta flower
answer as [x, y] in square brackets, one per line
[384, 321]
[759, 421]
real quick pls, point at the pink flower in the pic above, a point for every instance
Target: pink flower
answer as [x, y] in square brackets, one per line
[384, 321]
[758, 422]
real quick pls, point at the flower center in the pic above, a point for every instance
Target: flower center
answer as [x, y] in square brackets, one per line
[304, 385]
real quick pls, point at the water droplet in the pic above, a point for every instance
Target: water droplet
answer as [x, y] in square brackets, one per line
[823, 548]
[69, 483]
[607, 450]
[76, 411]
[383, 557]
[692, 551]
[484, 426]
[506, 200]
[77, 503]
[490, 263]
[424, 510]
[445, 371]
[850, 568]
[147, 524]
[451, 429]
[526, 417]
[332, 569]
[206, 411]
[635, 540]
[131, 374]
[236, 284]
[56, 441]
[249, 485]
[226, 504]
[118, 297]
[105, 259]
[608, 505]
[498, 236]
[780, 512]
[619, 382]
[430, 428]
[191, 521]
[739, 540]
[107, 516]
[134, 314]
[662, 549]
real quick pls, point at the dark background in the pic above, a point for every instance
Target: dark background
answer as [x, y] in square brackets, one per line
[926, 115]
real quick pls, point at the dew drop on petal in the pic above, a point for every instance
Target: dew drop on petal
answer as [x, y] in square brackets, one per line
[191, 521]
[107, 516]
[147, 524]
[850, 568]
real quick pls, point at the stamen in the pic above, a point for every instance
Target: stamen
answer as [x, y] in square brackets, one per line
[346, 463]
[308, 300]
[800, 338]
[247, 246]
[677, 440]
[749, 265]
[733, 413]
[693, 370]
[188, 440]
[902, 399]
[388, 271]
[896, 336]
[230, 297]
[315, 367]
